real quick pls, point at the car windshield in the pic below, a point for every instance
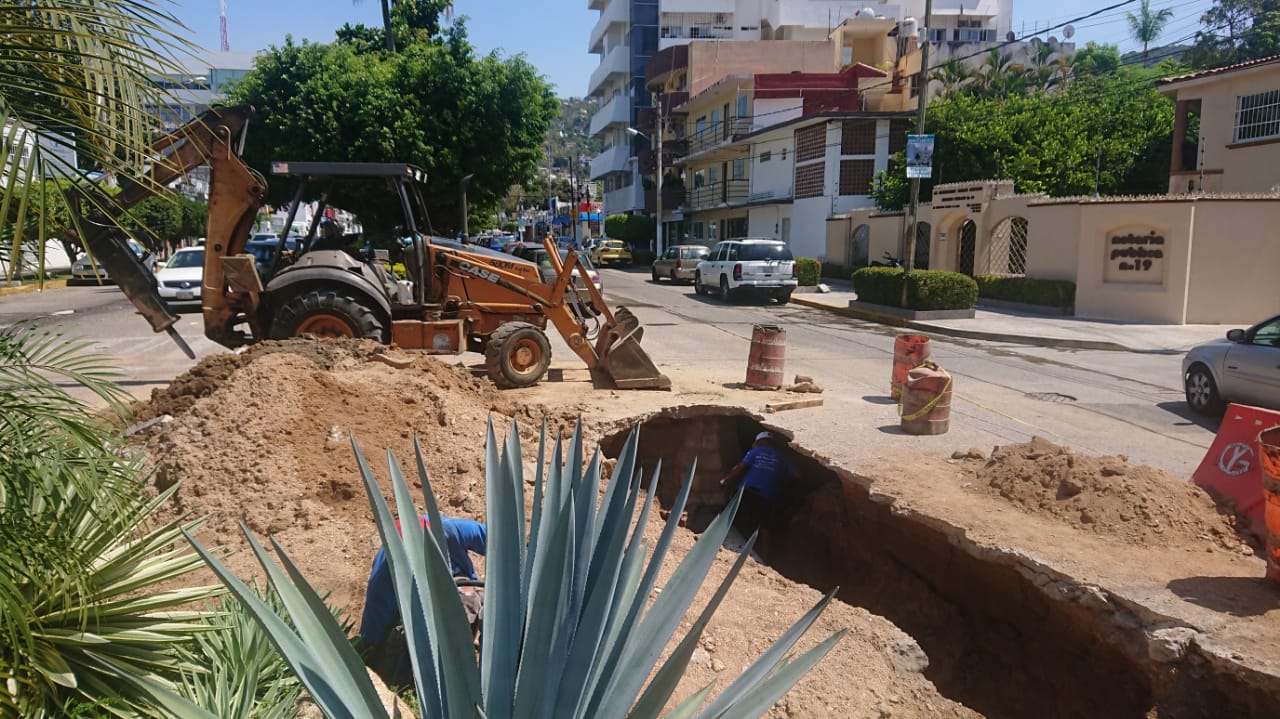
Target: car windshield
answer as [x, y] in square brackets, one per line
[190, 258]
[764, 251]
[261, 251]
[564, 256]
[693, 253]
[614, 245]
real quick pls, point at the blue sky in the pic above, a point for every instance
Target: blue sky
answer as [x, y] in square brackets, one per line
[553, 33]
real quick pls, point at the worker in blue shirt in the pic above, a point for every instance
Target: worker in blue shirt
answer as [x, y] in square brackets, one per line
[762, 472]
[380, 627]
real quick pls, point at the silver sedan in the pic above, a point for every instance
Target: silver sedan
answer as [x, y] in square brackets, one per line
[1244, 368]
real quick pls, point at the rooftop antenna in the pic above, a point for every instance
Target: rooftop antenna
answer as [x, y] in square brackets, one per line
[222, 19]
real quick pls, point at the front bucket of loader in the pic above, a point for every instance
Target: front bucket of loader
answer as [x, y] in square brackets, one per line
[622, 358]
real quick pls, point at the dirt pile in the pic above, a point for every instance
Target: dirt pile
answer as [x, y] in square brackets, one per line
[1105, 495]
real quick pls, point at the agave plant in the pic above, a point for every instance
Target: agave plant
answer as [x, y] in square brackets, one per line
[81, 623]
[569, 629]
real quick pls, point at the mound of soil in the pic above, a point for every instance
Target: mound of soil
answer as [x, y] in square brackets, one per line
[263, 439]
[1105, 495]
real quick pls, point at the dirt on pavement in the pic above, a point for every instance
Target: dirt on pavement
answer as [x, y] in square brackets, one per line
[263, 438]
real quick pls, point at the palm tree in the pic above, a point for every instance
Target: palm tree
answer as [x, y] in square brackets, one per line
[1146, 26]
[76, 73]
[953, 75]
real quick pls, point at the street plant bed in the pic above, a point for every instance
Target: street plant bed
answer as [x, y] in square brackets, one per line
[898, 315]
[992, 304]
[925, 289]
[1027, 291]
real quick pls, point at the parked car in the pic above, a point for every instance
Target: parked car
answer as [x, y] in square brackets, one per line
[86, 270]
[679, 263]
[263, 248]
[538, 255]
[180, 279]
[1244, 367]
[736, 267]
[611, 252]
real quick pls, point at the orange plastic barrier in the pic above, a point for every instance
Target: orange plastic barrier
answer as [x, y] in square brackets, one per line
[1232, 468]
[1269, 452]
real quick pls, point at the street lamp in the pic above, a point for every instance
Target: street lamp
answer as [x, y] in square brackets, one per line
[658, 196]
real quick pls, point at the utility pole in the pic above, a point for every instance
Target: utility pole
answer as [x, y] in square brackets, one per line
[658, 200]
[908, 256]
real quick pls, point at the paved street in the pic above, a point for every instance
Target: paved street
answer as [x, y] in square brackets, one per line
[1098, 401]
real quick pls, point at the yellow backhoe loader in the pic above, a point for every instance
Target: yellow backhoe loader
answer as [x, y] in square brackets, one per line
[452, 296]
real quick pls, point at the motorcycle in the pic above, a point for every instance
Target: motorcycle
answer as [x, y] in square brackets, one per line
[889, 261]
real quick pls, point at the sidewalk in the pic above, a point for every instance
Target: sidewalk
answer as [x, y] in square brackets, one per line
[1046, 331]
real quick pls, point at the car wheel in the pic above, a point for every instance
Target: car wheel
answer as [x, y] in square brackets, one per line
[724, 288]
[327, 314]
[672, 277]
[697, 284]
[1202, 391]
[517, 354]
[783, 296]
[654, 274]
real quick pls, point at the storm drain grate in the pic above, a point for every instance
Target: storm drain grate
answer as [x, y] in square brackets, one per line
[1050, 397]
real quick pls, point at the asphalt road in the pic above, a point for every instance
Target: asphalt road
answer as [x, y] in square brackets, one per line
[1100, 402]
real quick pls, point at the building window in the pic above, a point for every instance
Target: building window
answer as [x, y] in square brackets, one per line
[1258, 116]
[742, 106]
[784, 154]
[739, 169]
[766, 156]
[855, 176]
[858, 137]
[809, 143]
[809, 179]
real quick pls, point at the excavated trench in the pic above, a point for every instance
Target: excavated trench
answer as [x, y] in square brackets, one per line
[1005, 635]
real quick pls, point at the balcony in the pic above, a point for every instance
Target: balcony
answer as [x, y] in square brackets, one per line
[615, 13]
[615, 112]
[672, 197]
[614, 63]
[623, 199]
[671, 150]
[718, 133]
[599, 4]
[717, 194]
[660, 66]
[613, 159]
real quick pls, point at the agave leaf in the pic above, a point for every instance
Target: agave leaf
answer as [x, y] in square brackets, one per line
[688, 708]
[547, 607]
[765, 664]
[764, 694]
[668, 676]
[503, 620]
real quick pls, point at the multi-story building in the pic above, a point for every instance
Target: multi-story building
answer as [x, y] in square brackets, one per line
[630, 32]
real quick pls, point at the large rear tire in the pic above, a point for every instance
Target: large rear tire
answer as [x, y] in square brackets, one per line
[725, 292]
[697, 284]
[517, 355]
[327, 314]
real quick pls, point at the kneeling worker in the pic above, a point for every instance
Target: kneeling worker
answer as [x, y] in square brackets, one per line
[761, 472]
[381, 631]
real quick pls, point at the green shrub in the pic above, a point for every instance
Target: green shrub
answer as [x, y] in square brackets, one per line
[926, 289]
[1028, 290]
[831, 269]
[642, 258]
[808, 270]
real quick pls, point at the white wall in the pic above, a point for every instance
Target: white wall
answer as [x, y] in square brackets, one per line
[775, 178]
[766, 220]
[770, 112]
[809, 226]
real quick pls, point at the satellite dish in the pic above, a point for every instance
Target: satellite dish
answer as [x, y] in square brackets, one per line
[1069, 31]
[1036, 42]
[1053, 41]
[1010, 36]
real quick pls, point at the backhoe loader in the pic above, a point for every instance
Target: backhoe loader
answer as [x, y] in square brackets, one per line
[453, 297]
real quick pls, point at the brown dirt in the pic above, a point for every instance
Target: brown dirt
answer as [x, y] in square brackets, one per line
[263, 438]
[1103, 495]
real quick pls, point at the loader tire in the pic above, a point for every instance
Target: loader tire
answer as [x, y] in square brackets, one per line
[327, 314]
[517, 355]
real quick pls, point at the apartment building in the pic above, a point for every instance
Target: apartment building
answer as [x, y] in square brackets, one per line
[628, 33]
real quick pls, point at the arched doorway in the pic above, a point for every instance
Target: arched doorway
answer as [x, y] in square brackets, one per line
[920, 258]
[1008, 255]
[967, 247]
[859, 247]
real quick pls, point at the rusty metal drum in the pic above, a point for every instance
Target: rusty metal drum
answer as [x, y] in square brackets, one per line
[908, 351]
[926, 400]
[765, 362]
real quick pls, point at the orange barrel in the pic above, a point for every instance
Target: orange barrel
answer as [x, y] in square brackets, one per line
[908, 351]
[925, 406]
[1269, 450]
[764, 365]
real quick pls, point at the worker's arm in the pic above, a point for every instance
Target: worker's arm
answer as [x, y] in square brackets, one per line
[735, 475]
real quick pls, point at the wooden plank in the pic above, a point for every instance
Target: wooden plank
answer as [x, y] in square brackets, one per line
[797, 404]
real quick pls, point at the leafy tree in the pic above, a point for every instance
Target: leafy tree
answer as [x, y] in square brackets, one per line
[433, 104]
[1049, 142]
[953, 75]
[156, 221]
[635, 230]
[194, 217]
[1095, 59]
[1237, 31]
[1147, 25]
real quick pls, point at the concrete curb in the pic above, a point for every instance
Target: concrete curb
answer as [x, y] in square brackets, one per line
[1058, 342]
[50, 285]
